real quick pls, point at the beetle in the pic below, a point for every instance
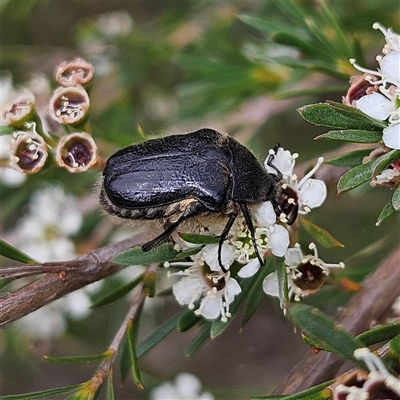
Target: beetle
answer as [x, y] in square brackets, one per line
[178, 177]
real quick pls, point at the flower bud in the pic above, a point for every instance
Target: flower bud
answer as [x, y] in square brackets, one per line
[19, 111]
[359, 87]
[74, 73]
[28, 152]
[69, 105]
[76, 152]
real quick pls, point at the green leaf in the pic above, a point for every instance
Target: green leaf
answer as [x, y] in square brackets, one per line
[124, 360]
[355, 177]
[394, 346]
[256, 22]
[188, 320]
[41, 394]
[110, 386]
[78, 359]
[318, 392]
[159, 334]
[199, 239]
[9, 251]
[396, 199]
[283, 289]
[320, 235]
[386, 211]
[324, 331]
[383, 162]
[351, 159]
[352, 135]
[137, 256]
[118, 293]
[338, 115]
[132, 339]
[256, 293]
[199, 339]
[379, 334]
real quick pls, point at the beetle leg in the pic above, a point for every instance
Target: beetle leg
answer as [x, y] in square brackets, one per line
[224, 235]
[249, 222]
[270, 158]
[161, 238]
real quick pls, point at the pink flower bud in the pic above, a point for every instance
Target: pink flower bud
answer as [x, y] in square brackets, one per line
[74, 73]
[28, 152]
[69, 105]
[76, 152]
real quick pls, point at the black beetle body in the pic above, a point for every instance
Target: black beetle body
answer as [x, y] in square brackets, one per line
[178, 177]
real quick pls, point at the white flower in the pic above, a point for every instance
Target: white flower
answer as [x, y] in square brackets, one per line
[205, 280]
[378, 380]
[185, 387]
[306, 274]
[269, 235]
[386, 104]
[44, 231]
[308, 193]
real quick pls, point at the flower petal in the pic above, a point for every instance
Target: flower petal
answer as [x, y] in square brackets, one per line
[293, 257]
[210, 256]
[390, 67]
[264, 214]
[232, 288]
[278, 240]
[391, 136]
[210, 307]
[313, 193]
[188, 290]
[250, 269]
[375, 105]
[283, 161]
[270, 284]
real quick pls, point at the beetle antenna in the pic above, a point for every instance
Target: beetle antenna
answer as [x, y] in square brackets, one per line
[249, 223]
[223, 236]
[270, 158]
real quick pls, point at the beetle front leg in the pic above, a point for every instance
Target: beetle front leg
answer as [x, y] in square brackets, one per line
[249, 223]
[223, 237]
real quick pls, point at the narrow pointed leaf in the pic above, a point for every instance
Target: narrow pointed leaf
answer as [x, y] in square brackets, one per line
[199, 239]
[199, 339]
[256, 292]
[395, 346]
[188, 320]
[159, 334]
[78, 359]
[339, 116]
[355, 177]
[396, 199]
[283, 289]
[132, 339]
[386, 211]
[159, 254]
[117, 294]
[320, 235]
[42, 394]
[324, 331]
[352, 135]
[256, 22]
[351, 159]
[11, 252]
[110, 387]
[318, 392]
[379, 334]
[384, 161]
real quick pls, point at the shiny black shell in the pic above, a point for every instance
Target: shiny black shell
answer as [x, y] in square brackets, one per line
[181, 176]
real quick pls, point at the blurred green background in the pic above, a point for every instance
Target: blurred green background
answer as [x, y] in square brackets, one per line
[176, 66]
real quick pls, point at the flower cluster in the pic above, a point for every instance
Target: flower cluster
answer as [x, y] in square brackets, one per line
[379, 383]
[305, 273]
[210, 290]
[31, 145]
[377, 93]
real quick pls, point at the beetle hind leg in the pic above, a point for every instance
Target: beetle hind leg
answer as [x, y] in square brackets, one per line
[160, 238]
[223, 236]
